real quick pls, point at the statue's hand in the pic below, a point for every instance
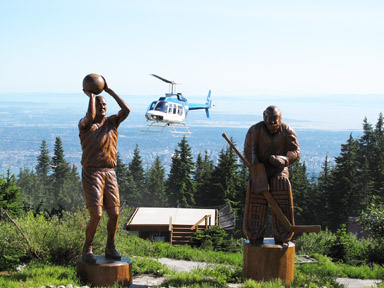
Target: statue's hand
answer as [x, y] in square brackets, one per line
[278, 161]
[88, 93]
[106, 88]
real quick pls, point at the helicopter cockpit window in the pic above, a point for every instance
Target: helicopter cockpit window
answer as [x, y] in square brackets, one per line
[179, 109]
[162, 106]
[153, 105]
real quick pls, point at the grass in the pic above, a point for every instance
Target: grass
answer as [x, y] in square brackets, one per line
[37, 275]
[320, 274]
[50, 238]
[133, 245]
[326, 268]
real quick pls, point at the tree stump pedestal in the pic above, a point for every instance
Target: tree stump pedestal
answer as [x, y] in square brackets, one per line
[269, 261]
[106, 272]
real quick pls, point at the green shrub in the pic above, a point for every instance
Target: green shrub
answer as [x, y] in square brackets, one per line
[375, 251]
[347, 248]
[215, 238]
[51, 239]
[372, 219]
[340, 246]
[310, 243]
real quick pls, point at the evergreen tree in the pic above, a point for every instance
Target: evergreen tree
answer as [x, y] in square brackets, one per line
[124, 180]
[344, 191]
[226, 182]
[202, 177]
[32, 190]
[322, 206]
[367, 162]
[61, 169]
[137, 176]
[302, 198]
[155, 184]
[9, 194]
[71, 194]
[43, 161]
[378, 150]
[179, 185]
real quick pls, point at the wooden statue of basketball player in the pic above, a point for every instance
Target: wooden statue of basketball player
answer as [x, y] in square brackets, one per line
[273, 144]
[98, 137]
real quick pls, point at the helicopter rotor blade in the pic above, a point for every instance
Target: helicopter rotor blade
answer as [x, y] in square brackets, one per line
[165, 80]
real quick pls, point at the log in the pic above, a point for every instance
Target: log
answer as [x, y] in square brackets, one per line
[106, 272]
[269, 261]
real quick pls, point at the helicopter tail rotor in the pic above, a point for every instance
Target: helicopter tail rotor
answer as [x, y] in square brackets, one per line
[208, 104]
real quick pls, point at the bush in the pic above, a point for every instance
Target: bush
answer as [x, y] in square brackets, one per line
[57, 240]
[372, 219]
[375, 251]
[215, 238]
[346, 248]
[340, 246]
[310, 243]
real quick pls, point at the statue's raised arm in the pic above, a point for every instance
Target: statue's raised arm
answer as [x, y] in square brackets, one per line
[125, 110]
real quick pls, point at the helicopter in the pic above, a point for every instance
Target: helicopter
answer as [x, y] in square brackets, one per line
[171, 111]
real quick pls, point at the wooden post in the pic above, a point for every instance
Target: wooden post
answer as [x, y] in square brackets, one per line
[106, 272]
[170, 229]
[269, 261]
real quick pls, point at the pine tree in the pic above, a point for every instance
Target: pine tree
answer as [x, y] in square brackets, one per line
[301, 193]
[378, 150]
[155, 184]
[71, 194]
[137, 176]
[367, 161]
[179, 185]
[43, 161]
[32, 190]
[202, 177]
[9, 194]
[226, 182]
[124, 180]
[61, 169]
[344, 190]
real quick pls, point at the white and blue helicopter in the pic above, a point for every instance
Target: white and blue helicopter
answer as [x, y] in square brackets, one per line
[171, 111]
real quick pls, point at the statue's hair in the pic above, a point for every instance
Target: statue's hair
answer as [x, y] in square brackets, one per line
[271, 110]
[98, 97]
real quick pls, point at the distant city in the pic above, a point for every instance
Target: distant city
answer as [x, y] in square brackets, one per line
[24, 125]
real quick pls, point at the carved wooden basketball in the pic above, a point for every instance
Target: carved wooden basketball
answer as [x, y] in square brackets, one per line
[93, 83]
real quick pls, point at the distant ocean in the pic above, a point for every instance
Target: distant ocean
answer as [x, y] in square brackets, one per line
[322, 123]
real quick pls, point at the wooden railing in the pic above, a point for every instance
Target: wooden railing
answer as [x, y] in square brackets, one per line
[205, 218]
[170, 229]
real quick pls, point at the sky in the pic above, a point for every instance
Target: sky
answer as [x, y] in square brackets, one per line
[313, 59]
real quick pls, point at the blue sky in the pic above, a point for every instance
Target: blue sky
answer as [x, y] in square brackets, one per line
[279, 51]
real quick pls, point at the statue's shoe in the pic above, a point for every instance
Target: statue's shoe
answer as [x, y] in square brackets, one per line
[111, 253]
[89, 258]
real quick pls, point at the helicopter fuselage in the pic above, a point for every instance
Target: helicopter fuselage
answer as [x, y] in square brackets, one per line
[173, 108]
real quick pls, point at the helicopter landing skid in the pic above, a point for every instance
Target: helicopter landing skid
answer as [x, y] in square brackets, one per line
[174, 128]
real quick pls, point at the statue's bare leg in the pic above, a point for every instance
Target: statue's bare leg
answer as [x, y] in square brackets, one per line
[110, 250]
[95, 213]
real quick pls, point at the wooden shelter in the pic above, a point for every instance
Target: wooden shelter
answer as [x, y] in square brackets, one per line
[174, 225]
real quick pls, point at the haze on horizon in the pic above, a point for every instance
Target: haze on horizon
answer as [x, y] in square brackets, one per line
[318, 61]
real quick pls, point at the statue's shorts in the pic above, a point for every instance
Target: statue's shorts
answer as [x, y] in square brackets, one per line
[100, 187]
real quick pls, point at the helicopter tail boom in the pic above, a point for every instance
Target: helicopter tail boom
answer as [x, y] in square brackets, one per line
[206, 106]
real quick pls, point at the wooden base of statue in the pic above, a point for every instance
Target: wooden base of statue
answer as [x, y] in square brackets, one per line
[106, 272]
[269, 261]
